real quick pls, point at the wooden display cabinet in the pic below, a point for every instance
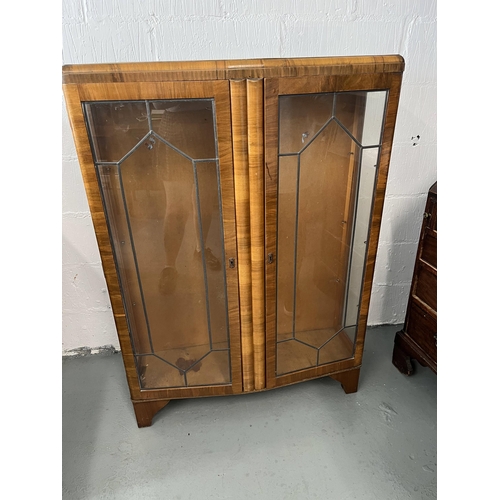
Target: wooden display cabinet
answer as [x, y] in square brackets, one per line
[237, 209]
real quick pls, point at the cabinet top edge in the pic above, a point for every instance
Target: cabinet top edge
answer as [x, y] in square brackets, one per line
[231, 69]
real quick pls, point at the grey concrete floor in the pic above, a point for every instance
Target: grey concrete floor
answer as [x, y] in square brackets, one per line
[309, 440]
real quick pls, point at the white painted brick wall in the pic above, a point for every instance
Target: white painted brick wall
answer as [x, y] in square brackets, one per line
[96, 31]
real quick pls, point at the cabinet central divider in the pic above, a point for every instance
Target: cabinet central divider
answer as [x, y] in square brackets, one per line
[238, 89]
[255, 117]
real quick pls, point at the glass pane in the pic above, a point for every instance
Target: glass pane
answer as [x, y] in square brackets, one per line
[165, 218]
[325, 171]
[350, 331]
[301, 117]
[315, 338]
[155, 373]
[349, 106]
[340, 346]
[325, 195]
[109, 178]
[359, 244]
[214, 367]
[116, 127]
[293, 355]
[211, 252]
[187, 125]
[287, 194]
[184, 358]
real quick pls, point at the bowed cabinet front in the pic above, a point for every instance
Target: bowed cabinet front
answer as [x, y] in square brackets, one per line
[237, 207]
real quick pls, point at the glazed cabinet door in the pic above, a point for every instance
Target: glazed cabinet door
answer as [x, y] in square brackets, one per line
[162, 163]
[323, 148]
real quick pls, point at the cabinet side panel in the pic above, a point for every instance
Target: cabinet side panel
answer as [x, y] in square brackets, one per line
[242, 202]
[256, 184]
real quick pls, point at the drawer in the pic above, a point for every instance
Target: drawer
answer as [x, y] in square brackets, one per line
[426, 286]
[429, 248]
[422, 328]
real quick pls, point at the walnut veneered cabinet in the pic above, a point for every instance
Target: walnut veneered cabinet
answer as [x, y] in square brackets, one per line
[237, 209]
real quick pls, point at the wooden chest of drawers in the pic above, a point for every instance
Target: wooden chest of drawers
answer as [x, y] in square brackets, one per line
[418, 339]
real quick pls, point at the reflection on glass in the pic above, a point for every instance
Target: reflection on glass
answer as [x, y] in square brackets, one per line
[339, 346]
[154, 373]
[325, 191]
[293, 356]
[116, 127]
[215, 365]
[369, 107]
[366, 188]
[163, 208]
[287, 198]
[116, 215]
[322, 230]
[187, 125]
[312, 111]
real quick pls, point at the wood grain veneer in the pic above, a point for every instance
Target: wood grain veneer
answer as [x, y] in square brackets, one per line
[231, 69]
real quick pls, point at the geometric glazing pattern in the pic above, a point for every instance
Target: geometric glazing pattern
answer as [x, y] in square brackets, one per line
[325, 192]
[158, 171]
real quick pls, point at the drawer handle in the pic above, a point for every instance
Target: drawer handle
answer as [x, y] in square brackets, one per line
[436, 339]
